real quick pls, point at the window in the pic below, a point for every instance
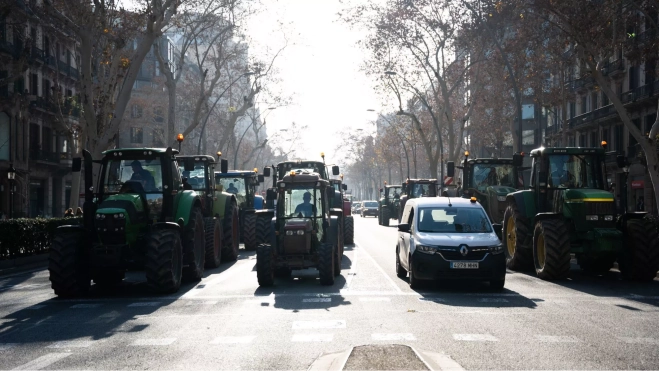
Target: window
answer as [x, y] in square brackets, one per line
[618, 142]
[573, 109]
[605, 135]
[605, 100]
[34, 84]
[528, 111]
[528, 137]
[136, 111]
[593, 139]
[574, 171]
[158, 138]
[158, 115]
[4, 89]
[4, 136]
[584, 104]
[582, 140]
[136, 135]
[593, 101]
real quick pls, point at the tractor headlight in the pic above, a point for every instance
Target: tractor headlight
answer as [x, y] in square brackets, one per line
[501, 198]
[496, 249]
[608, 218]
[98, 216]
[289, 233]
[300, 232]
[426, 249]
[592, 217]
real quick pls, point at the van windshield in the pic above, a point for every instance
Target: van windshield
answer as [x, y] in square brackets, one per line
[453, 219]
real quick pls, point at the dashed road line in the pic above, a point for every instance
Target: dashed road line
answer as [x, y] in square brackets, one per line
[154, 342]
[233, 340]
[65, 344]
[7, 346]
[304, 325]
[201, 302]
[43, 361]
[474, 337]
[312, 337]
[556, 339]
[393, 337]
[374, 299]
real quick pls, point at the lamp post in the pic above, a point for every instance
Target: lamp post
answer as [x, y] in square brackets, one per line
[235, 158]
[11, 175]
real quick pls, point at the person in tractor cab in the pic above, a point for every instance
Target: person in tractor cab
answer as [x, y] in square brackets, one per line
[186, 185]
[560, 175]
[305, 209]
[232, 189]
[142, 175]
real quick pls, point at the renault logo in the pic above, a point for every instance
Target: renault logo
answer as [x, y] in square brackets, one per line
[464, 250]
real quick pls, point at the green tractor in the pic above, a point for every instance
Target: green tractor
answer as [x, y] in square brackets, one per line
[490, 180]
[415, 188]
[566, 210]
[242, 184]
[302, 232]
[140, 217]
[389, 204]
[220, 209]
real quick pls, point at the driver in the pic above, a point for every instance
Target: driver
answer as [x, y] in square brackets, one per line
[306, 208]
[560, 175]
[142, 175]
[232, 189]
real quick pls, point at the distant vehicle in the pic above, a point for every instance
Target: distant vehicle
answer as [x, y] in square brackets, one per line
[449, 238]
[356, 207]
[369, 208]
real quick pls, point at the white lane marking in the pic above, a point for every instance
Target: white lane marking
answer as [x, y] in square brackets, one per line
[204, 302]
[303, 325]
[7, 346]
[64, 344]
[145, 304]
[317, 300]
[38, 306]
[375, 299]
[393, 337]
[85, 306]
[639, 340]
[556, 339]
[153, 342]
[433, 300]
[233, 340]
[312, 337]
[393, 284]
[43, 361]
[492, 300]
[474, 337]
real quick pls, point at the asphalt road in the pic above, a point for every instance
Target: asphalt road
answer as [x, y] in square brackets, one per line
[227, 322]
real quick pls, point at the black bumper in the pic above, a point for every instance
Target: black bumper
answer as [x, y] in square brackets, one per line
[371, 212]
[436, 267]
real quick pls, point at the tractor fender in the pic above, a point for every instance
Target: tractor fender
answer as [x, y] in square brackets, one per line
[524, 201]
[70, 228]
[185, 201]
[621, 223]
[222, 199]
[545, 216]
[333, 233]
[165, 225]
[258, 202]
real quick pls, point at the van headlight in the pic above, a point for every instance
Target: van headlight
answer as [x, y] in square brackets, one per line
[426, 249]
[496, 249]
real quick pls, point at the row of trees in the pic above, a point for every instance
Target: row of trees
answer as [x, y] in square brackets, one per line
[460, 69]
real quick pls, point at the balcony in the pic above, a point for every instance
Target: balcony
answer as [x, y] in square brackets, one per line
[613, 68]
[36, 53]
[73, 73]
[45, 156]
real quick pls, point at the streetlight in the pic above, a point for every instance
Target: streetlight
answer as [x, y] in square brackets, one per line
[11, 175]
[235, 158]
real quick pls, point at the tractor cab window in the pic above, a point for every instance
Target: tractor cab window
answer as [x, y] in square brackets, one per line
[485, 175]
[573, 171]
[233, 185]
[423, 190]
[303, 203]
[197, 177]
[393, 193]
[122, 176]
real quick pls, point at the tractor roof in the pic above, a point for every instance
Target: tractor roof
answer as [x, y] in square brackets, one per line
[209, 159]
[542, 151]
[494, 161]
[235, 173]
[133, 151]
[393, 186]
[303, 177]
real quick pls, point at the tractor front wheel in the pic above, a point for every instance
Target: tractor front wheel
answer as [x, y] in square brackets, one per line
[68, 265]
[263, 229]
[265, 265]
[231, 233]
[349, 236]
[213, 230]
[515, 239]
[551, 249]
[194, 246]
[249, 232]
[326, 264]
[386, 215]
[164, 258]
[640, 259]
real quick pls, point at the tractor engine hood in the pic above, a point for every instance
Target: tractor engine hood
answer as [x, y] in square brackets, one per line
[297, 236]
[296, 224]
[584, 194]
[129, 204]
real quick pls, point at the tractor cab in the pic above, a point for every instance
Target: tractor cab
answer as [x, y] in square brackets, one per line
[416, 188]
[389, 203]
[241, 183]
[317, 167]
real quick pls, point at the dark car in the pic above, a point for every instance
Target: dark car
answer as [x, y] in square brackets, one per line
[369, 208]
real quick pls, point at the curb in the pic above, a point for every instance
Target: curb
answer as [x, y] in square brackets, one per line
[23, 264]
[437, 361]
[331, 361]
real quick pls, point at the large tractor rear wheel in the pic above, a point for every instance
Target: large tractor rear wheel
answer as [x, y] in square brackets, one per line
[515, 240]
[68, 264]
[231, 233]
[349, 236]
[213, 230]
[326, 264]
[265, 265]
[249, 232]
[551, 249]
[386, 215]
[263, 229]
[640, 259]
[164, 261]
[194, 246]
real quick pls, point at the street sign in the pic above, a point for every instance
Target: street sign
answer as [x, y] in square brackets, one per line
[448, 180]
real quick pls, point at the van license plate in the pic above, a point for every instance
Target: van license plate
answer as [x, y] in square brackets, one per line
[464, 265]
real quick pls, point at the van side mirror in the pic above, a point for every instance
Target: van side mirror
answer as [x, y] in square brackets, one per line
[261, 178]
[224, 166]
[518, 160]
[270, 195]
[450, 169]
[266, 171]
[335, 170]
[498, 228]
[403, 227]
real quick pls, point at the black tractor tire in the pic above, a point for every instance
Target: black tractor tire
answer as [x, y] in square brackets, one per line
[349, 235]
[265, 265]
[551, 249]
[263, 229]
[249, 232]
[326, 258]
[640, 259]
[68, 264]
[414, 282]
[386, 216]
[596, 265]
[213, 229]
[109, 277]
[337, 262]
[164, 261]
[517, 233]
[194, 247]
[231, 233]
[400, 271]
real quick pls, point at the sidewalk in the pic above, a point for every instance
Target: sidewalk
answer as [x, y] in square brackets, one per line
[24, 264]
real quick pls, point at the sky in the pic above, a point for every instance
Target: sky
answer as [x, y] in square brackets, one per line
[320, 68]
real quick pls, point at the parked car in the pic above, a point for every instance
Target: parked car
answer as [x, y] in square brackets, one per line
[369, 208]
[356, 207]
[449, 238]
